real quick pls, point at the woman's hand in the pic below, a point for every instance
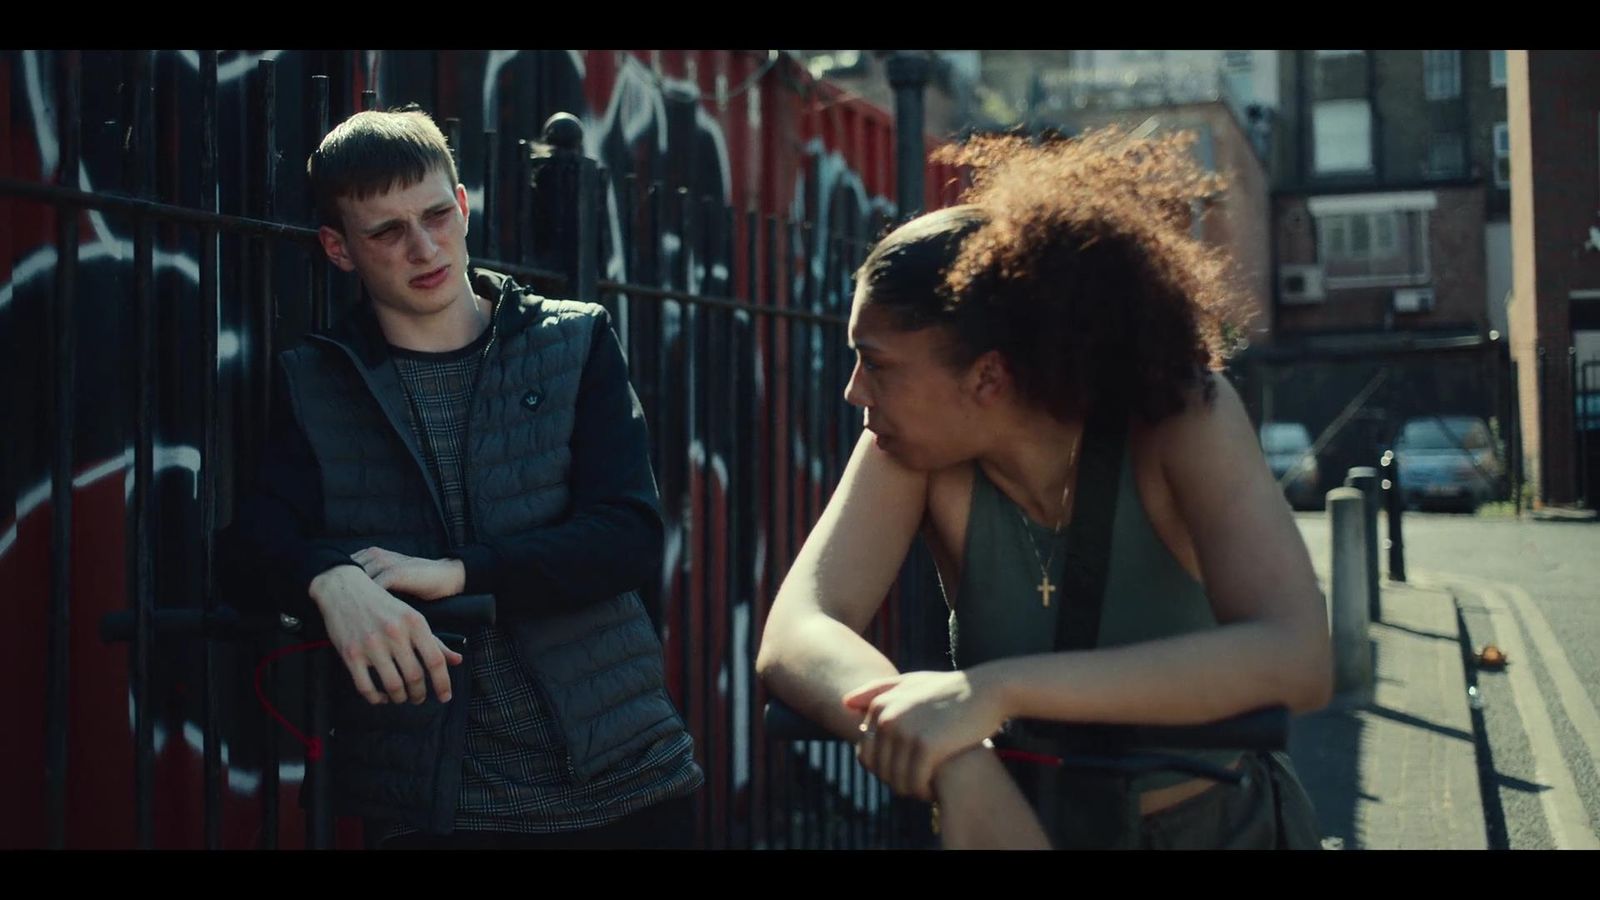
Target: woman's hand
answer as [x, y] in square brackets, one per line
[981, 808]
[913, 722]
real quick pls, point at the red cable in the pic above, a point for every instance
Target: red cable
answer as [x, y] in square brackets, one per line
[313, 745]
[1025, 756]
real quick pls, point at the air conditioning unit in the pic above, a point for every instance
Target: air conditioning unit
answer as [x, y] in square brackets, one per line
[1301, 284]
[1413, 300]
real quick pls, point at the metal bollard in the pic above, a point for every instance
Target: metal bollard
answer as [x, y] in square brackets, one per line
[1352, 652]
[1365, 479]
[1395, 502]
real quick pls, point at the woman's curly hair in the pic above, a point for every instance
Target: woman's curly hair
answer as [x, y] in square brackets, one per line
[1074, 259]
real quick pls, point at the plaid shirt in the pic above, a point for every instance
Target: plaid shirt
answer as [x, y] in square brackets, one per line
[516, 775]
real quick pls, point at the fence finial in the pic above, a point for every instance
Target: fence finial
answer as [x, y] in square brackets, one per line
[563, 131]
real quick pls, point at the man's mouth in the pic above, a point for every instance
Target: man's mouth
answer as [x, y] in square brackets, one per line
[431, 279]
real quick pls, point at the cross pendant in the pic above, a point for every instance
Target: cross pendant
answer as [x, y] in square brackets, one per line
[1046, 589]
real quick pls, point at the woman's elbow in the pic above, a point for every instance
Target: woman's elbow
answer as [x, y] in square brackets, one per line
[766, 661]
[1314, 668]
[1314, 695]
[769, 652]
[785, 638]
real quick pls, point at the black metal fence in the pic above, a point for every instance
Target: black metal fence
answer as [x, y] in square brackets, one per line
[736, 346]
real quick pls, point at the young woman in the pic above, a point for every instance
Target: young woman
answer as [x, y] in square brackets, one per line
[1036, 369]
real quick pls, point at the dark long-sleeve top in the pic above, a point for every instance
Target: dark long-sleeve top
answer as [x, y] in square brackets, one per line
[608, 541]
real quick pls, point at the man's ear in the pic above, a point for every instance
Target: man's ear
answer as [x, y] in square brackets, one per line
[466, 211]
[333, 245]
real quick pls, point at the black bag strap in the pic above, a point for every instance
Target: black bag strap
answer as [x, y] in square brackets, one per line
[1088, 552]
[1100, 799]
[1087, 560]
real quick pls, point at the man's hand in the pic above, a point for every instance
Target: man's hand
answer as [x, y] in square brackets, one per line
[424, 579]
[373, 630]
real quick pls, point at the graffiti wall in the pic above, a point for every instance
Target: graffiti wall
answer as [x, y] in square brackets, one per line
[738, 132]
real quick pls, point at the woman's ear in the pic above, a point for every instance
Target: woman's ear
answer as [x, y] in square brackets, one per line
[989, 378]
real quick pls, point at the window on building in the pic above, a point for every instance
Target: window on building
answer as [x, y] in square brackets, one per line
[1441, 74]
[1342, 136]
[1339, 74]
[1360, 237]
[1497, 68]
[1447, 156]
[1384, 228]
[1371, 248]
[1502, 155]
[1238, 60]
[1333, 231]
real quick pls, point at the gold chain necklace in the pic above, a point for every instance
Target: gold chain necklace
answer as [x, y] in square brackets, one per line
[1045, 588]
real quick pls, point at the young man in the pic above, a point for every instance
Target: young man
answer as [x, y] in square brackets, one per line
[458, 434]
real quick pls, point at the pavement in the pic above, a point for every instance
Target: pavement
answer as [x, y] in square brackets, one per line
[1395, 767]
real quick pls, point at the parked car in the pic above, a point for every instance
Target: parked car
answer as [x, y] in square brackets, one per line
[1448, 462]
[1287, 447]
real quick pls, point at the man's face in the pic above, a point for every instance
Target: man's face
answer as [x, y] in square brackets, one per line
[919, 409]
[409, 245]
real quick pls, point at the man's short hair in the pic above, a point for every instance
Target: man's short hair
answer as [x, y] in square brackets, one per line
[373, 152]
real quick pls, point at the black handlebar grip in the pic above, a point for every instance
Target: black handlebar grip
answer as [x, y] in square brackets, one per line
[1265, 729]
[784, 724]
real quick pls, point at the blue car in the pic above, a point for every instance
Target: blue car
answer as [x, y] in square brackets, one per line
[1448, 462]
[1287, 447]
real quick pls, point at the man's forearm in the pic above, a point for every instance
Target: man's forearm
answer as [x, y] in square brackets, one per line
[327, 588]
[611, 538]
[598, 553]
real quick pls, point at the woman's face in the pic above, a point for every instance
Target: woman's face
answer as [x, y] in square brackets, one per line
[918, 408]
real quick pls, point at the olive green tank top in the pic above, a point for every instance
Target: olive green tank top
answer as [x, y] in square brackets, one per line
[998, 610]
